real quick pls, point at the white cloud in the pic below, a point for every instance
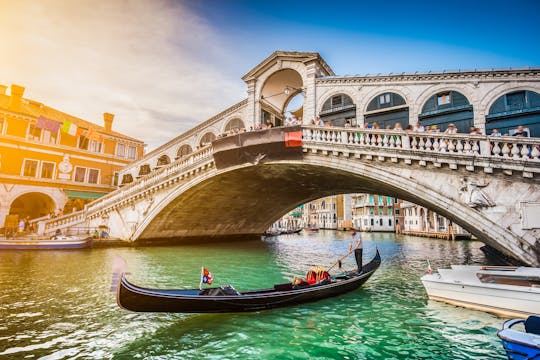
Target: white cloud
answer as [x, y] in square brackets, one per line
[152, 63]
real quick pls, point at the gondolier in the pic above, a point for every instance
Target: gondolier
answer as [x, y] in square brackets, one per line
[357, 238]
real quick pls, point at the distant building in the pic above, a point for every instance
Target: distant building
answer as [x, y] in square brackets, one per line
[373, 212]
[418, 219]
[50, 160]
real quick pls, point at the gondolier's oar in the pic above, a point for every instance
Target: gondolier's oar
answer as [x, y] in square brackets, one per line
[348, 253]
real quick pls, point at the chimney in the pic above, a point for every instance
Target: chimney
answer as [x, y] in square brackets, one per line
[107, 122]
[3, 89]
[16, 96]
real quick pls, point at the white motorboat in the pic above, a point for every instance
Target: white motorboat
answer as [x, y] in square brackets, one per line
[503, 290]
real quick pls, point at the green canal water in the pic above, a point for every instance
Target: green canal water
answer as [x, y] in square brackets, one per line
[56, 304]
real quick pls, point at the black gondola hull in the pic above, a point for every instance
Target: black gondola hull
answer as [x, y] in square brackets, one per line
[135, 298]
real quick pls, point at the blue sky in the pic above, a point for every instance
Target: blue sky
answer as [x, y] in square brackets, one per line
[358, 37]
[163, 66]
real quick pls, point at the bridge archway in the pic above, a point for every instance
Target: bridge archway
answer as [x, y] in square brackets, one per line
[387, 109]
[514, 108]
[183, 150]
[447, 107]
[234, 124]
[207, 139]
[339, 108]
[221, 198]
[33, 205]
[277, 91]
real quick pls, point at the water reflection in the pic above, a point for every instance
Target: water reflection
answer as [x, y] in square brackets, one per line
[56, 305]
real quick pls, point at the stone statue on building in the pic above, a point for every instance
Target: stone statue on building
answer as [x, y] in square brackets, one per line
[473, 195]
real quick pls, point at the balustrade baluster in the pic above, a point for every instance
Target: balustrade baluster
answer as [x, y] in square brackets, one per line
[515, 151]
[524, 151]
[421, 144]
[535, 152]
[398, 140]
[475, 148]
[385, 140]
[392, 141]
[414, 143]
[436, 144]
[496, 150]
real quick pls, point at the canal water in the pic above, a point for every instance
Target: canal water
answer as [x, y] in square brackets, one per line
[56, 304]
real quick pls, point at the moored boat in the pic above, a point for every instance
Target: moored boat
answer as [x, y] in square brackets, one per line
[227, 299]
[502, 290]
[521, 345]
[54, 243]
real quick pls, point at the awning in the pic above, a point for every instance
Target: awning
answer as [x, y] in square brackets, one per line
[72, 194]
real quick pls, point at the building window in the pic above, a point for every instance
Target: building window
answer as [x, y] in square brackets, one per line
[30, 167]
[95, 146]
[80, 174]
[397, 211]
[47, 170]
[337, 100]
[93, 176]
[34, 133]
[83, 142]
[132, 152]
[388, 201]
[380, 222]
[443, 99]
[389, 222]
[48, 137]
[389, 211]
[120, 150]
[116, 177]
[372, 222]
[384, 99]
[515, 100]
[380, 200]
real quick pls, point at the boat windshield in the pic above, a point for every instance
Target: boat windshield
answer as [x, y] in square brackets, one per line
[509, 279]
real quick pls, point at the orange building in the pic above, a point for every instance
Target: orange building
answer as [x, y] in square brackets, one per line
[50, 160]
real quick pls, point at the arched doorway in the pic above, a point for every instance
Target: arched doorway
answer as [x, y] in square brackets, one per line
[387, 109]
[447, 107]
[339, 109]
[513, 109]
[234, 125]
[277, 93]
[207, 139]
[163, 160]
[32, 204]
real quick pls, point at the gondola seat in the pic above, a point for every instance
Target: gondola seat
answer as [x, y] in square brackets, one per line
[532, 325]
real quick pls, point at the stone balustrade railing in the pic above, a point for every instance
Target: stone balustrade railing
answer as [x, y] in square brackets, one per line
[49, 225]
[154, 178]
[503, 147]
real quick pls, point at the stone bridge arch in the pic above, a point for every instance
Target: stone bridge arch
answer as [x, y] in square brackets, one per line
[246, 199]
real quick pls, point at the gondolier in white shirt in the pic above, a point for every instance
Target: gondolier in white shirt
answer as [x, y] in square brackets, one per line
[357, 239]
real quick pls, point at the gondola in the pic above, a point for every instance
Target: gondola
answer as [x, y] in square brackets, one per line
[134, 298]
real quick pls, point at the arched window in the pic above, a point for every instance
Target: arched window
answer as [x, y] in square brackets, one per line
[387, 109]
[339, 109]
[447, 107]
[183, 151]
[144, 169]
[207, 139]
[163, 160]
[126, 179]
[234, 125]
[513, 109]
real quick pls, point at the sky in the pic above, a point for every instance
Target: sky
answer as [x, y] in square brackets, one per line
[162, 67]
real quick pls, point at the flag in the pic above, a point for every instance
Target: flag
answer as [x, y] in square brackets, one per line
[206, 277]
[429, 271]
[47, 124]
[69, 128]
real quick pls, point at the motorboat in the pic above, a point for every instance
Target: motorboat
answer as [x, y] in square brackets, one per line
[227, 299]
[521, 345]
[57, 242]
[503, 290]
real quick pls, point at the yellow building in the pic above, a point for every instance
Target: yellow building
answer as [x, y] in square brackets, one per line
[50, 160]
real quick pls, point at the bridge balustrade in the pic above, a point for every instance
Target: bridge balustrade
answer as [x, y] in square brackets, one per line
[516, 148]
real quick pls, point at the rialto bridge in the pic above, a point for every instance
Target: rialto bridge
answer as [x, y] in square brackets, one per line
[196, 186]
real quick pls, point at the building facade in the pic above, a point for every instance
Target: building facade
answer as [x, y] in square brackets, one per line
[418, 220]
[52, 162]
[373, 212]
